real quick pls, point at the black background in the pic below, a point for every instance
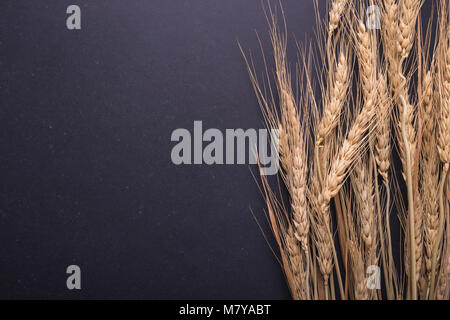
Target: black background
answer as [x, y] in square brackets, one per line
[86, 175]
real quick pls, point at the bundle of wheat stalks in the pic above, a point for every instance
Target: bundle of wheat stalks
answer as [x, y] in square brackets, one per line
[364, 145]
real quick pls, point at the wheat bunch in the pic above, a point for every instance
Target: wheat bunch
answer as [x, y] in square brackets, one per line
[352, 124]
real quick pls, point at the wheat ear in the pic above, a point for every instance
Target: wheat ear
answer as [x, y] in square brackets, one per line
[297, 264]
[409, 11]
[335, 102]
[335, 14]
[366, 211]
[358, 271]
[444, 116]
[443, 73]
[429, 171]
[383, 142]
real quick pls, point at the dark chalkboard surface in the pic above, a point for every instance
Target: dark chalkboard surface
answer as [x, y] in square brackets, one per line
[86, 173]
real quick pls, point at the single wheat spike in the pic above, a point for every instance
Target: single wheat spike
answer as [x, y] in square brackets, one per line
[366, 211]
[358, 271]
[418, 234]
[367, 58]
[298, 197]
[409, 11]
[296, 263]
[323, 243]
[390, 22]
[389, 32]
[295, 162]
[290, 123]
[383, 142]
[443, 287]
[288, 107]
[336, 11]
[444, 116]
[399, 32]
[336, 101]
[429, 170]
[357, 265]
[383, 161]
[410, 135]
[290, 110]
